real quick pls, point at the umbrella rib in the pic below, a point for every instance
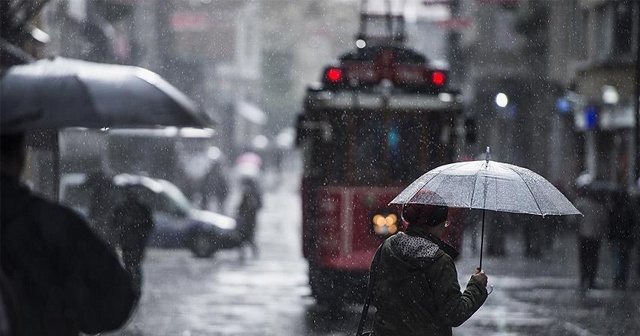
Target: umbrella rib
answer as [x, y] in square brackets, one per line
[530, 191]
[418, 189]
[473, 192]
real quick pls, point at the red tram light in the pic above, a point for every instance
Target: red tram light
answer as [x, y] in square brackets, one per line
[438, 78]
[334, 75]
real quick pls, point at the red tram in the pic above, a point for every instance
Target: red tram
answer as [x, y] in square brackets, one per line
[380, 118]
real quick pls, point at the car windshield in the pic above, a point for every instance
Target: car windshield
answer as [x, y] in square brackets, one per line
[265, 141]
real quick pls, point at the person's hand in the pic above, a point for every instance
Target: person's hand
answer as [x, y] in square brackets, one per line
[480, 277]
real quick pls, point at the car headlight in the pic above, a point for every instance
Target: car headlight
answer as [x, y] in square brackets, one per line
[385, 224]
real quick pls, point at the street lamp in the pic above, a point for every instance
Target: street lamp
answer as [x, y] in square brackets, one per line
[502, 100]
[610, 95]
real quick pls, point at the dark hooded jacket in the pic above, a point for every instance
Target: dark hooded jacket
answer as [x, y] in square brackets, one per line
[417, 290]
[64, 278]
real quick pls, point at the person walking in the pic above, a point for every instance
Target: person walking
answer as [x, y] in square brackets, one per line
[132, 221]
[214, 186]
[591, 229]
[417, 290]
[622, 224]
[250, 204]
[65, 279]
[100, 204]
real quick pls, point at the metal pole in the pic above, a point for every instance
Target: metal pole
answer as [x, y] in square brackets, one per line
[482, 238]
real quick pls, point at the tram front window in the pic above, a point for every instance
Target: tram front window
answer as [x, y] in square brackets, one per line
[367, 151]
[403, 143]
[371, 149]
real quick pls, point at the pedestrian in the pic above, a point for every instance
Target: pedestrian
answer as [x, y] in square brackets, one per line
[100, 204]
[622, 223]
[132, 221]
[417, 290]
[214, 186]
[65, 279]
[533, 234]
[591, 229]
[496, 240]
[250, 204]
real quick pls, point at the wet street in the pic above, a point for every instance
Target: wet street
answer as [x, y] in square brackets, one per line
[268, 295]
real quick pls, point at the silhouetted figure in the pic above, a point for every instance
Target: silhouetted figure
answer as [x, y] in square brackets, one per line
[101, 204]
[214, 186]
[591, 230]
[622, 224]
[132, 222]
[495, 236]
[65, 279]
[250, 204]
[533, 234]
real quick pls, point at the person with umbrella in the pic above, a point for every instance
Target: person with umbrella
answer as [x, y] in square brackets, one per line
[65, 279]
[417, 291]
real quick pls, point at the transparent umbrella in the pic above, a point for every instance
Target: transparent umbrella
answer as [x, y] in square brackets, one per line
[487, 185]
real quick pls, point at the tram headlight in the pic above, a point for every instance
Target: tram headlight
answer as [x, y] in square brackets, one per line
[385, 225]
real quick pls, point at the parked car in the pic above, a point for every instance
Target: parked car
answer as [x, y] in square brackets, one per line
[177, 222]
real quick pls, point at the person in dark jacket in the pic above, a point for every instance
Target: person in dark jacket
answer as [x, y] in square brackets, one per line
[591, 230]
[247, 214]
[132, 222]
[65, 279]
[622, 222]
[100, 205]
[214, 185]
[417, 290]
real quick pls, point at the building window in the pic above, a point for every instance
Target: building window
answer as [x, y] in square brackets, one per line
[504, 33]
[623, 28]
[613, 29]
[578, 32]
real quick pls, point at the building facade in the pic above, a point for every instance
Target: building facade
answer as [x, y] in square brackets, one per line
[597, 64]
[568, 71]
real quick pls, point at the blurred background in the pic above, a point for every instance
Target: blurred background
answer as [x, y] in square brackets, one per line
[549, 85]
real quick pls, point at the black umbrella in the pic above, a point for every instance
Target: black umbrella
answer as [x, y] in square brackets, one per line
[60, 92]
[51, 94]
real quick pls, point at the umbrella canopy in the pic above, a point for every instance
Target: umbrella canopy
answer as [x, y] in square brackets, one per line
[487, 185]
[59, 92]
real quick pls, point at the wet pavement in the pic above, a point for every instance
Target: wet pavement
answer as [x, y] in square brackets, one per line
[269, 295]
[541, 296]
